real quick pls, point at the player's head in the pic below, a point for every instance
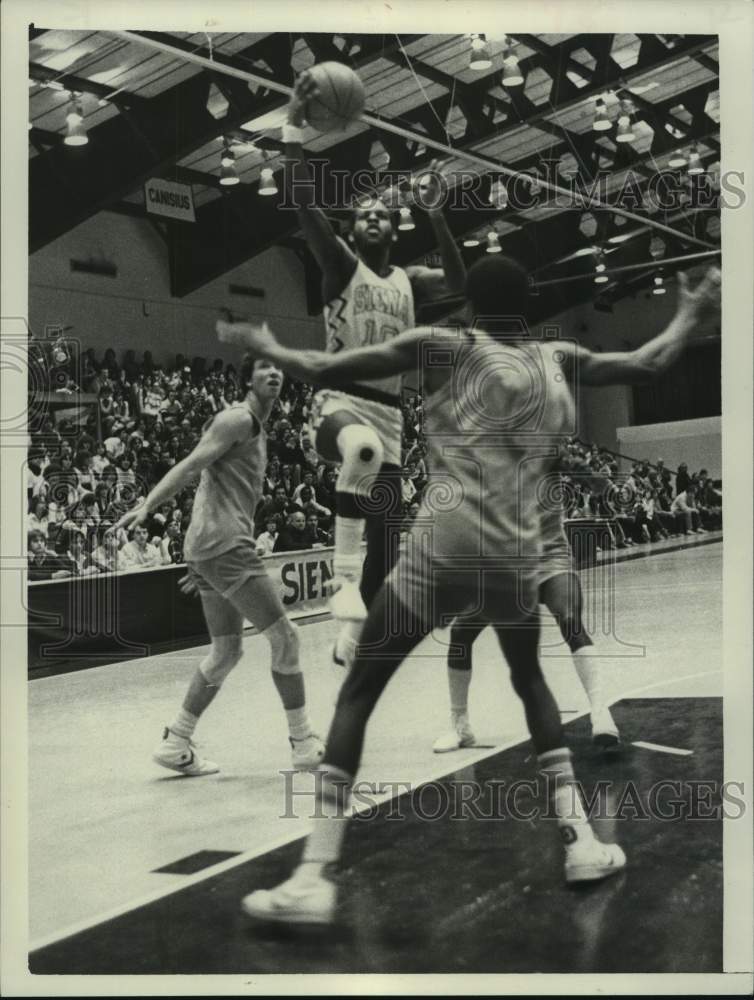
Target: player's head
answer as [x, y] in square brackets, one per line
[371, 226]
[266, 379]
[497, 290]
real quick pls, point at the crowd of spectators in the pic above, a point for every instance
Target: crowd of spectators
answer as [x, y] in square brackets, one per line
[82, 476]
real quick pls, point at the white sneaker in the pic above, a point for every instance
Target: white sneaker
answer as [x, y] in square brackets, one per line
[604, 730]
[293, 902]
[178, 753]
[306, 753]
[345, 601]
[458, 737]
[590, 860]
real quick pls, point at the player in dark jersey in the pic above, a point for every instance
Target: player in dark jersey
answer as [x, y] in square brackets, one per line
[358, 425]
[496, 405]
[227, 573]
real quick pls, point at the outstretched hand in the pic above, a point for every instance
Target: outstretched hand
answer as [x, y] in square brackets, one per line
[304, 89]
[259, 341]
[131, 519]
[705, 295]
[429, 188]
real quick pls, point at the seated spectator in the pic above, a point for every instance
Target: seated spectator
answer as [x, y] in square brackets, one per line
[310, 506]
[265, 543]
[307, 482]
[310, 456]
[37, 518]
[293, 536]
[100, 459]
[43, 564]
[117, 444]
[171, 544]
[684, 505]
[682, 478]
[408, 489]
[316, 536]
[106, 555]
[76, 558]
[138, 553]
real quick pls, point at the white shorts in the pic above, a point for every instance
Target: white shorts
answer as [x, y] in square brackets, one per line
[386, 421]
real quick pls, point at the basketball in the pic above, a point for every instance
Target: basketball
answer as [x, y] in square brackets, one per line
[340, 98]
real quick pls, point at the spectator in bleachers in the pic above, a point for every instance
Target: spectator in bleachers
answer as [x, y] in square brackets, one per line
[138, 553]
[314, 533]
[265, 542]
[42, 563]
[293, 536]
[37, 519]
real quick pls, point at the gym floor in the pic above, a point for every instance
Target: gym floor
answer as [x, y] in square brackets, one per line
[134, 870]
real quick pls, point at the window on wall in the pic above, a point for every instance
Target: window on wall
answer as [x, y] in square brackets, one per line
[690, 389]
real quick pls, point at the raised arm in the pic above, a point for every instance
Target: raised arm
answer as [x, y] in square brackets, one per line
[647, 361]
[332, 254]
[433, 282]
[394, 357]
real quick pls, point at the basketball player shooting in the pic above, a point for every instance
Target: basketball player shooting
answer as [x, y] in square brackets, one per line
[485, 545]
[359, 426]
[227, 573]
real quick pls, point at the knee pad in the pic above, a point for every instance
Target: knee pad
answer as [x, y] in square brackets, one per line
[282, 636]
[226, 651]
[361, 453]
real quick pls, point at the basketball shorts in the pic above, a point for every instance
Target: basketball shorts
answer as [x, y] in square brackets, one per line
[437, 591]
[557, 558]
[228, 572]
[386, 421]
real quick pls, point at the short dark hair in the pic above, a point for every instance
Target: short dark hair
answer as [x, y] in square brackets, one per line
[498, 289]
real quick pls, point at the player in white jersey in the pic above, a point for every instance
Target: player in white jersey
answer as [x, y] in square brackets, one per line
[227, 573]
[495, 409]
[359, 425]
[560, 591]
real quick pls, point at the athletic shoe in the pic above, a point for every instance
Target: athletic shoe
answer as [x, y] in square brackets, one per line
[459, 736]
[345, 601]
[604, 731]
[590, 860]
[178, 753]
[306, 753]
[292, 902]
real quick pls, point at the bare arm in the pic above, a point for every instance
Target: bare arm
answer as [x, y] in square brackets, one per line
[394, 357]
[222, 434]
[432, 282]
[647, 361]
[333, 256]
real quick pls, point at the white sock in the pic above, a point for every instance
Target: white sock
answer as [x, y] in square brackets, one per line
[324, 843]
[590, 672]
[299, 726]
[349, 532]
[184, 724]
[347, 641]
[557, 769]
[458, 683]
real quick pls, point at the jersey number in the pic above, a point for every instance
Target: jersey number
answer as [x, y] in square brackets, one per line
[379, 336]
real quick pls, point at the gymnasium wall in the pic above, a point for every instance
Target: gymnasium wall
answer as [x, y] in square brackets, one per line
[135, 309]
[696, 442]
[633, 321]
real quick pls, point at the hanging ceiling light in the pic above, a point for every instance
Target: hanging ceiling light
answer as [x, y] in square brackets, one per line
[512, 75]
[471, 241]
[75, 132]
[677, 160]
[406, 221]
[695, 162]
[601, 121]
[493, 243]
[267, 185]
[659, 288]
[498, 194]
[228, 174]
[619, 220]
[600, 278]
[480, 53]
[625, 132]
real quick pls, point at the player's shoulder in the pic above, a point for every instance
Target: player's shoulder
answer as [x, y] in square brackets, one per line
[237, 419]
